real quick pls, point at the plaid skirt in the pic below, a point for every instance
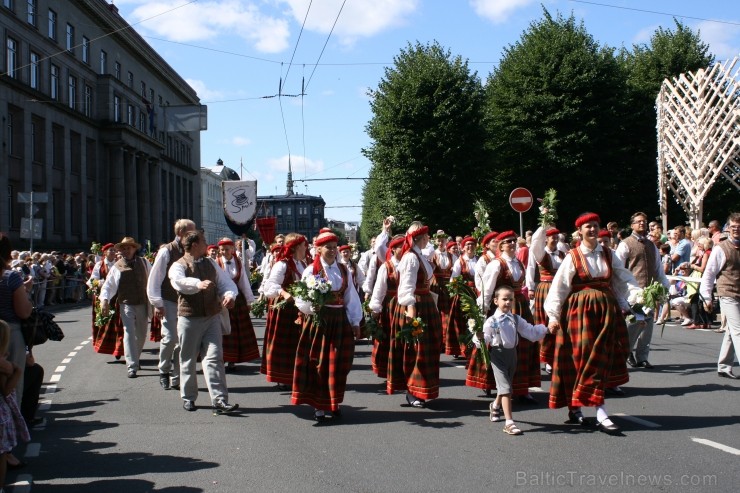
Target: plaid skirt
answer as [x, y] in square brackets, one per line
[479, 376]
[590, 351]
[241, 344]
[457, 325]
[323, 360]
[439, 287]
[280, 344]
[379, 357]
[414, 367]
[547, 345]
[108, 339]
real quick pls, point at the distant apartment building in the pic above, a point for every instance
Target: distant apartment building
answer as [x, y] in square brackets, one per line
[89, 113]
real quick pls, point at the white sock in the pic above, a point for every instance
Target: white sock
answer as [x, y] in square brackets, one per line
[601, 414]
[319, 412]
[509, 422]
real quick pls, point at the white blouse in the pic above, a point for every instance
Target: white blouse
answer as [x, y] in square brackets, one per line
[408, 269]
[351, 299]
[272, 285]
[243, 284]
[490, 277]
[381, 287]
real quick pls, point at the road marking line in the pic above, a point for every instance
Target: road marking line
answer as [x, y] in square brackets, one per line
[86, 341]
[536, 389]
[639, 421]
[78, 348]
[73, 353]
[44, 404]
[33, 450]
[50, 389]
[459, 366]
[716, 445]
[23, 484]
[66, 361]
[60, 369]
[55, 377]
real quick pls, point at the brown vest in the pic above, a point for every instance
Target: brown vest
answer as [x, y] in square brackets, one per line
[545, 267]
[174, 249]
[728, 278]
[205, 302]
[642, 260]
[132, 286]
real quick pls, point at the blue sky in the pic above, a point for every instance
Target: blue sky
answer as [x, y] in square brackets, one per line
[234, 53]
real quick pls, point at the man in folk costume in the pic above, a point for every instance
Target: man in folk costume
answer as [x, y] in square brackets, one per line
[281, 331]
[383, 303]
[508, 270]
[723, 269]
[163, 298]
[107, 339]
[414, 366]
[326, 344]
[204, 290]
[128, 279]
[585, 307]
[442, 262]
[240, 345]
[641, 257]
[544, 261]
[366, 257]
[457, 323]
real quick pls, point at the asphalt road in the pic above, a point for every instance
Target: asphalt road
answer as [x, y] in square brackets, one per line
[104, 432]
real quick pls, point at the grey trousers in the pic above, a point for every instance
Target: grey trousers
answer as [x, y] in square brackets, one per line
[640, 336]
[202, 335]
[135, 319]
[169, 347]
[731, 340]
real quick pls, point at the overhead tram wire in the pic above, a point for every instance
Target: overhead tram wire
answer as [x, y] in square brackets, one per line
[295, 48]
[325, 43]
[655, 12]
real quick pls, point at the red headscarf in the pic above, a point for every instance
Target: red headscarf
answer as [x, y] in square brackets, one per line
[286, 254]
[394, 243]
[408, 241]
[552, 231]
[326, 236]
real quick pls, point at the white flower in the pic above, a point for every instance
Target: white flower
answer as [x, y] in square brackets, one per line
[392, 219]
[471, 324]
[324, 288]
[311, 282]
[647, 310]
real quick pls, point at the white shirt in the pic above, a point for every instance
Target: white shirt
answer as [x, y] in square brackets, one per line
[112, 280]
[381, 287]
[225, 287]
[351, 299]
[537, 251]
[157, 276]
[371, 274]
[243, 284]
[480, 268]
[272, 286]
[490, 277]
[622, 280]
[457, 266]
[715, 263]
[444, 259]
[408, 269]
[96, 271]
[502, 330]
[364, 262]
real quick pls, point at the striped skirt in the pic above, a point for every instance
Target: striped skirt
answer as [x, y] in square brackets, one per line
[547, 345]
[241, 344]
[590, 350]
[439, 287]
[379, 357]
[414, 367]
[323, 360]
[280, 343]
[108, 339]
[457, 325]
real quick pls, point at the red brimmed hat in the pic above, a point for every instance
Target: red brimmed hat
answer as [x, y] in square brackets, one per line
[505, 235]
[587, 217]
[451, 244]
[226, 241]
[344, 247]
[552, 231]
[212, 247]
[107, 247]
[467, 239]
[394, 243]
[604, 233]
[275, 248]
[487, 239]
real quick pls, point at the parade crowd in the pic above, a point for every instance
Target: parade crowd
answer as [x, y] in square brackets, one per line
[510, 307]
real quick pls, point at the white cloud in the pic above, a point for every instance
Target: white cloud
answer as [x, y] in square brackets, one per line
[643, 36]
[723, 39]
[203, 92]
[210, 19]
[298, 162]
[359, 19]
[327, 92]
[240, 141]
[498, 11]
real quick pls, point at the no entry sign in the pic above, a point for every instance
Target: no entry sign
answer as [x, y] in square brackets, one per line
[520, 199]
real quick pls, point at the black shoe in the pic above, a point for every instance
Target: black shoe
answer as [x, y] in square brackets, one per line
[230, 368]
[34, 422]
[132, 373]
[337, 414]
[283, 387]
[645, 364]
[14, 467]
[164, 381]
[175, 386]
[611, 429]
[319, 416]
[576, 418]
[188, 405]
[615, 391]
[631, 360]
[224, 408]
[728, 374]
[527, 400]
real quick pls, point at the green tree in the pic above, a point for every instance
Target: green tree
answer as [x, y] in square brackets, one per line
[428, 142]
[669, 54]
[554, 109]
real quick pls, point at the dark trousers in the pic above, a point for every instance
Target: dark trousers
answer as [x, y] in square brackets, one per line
[33, 377]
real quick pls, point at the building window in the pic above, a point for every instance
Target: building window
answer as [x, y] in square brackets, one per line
[38, 143]
[54, 82]
[32, 9]
[70, 38]
[279, 211]
[33, 67]
[118, 71]
[11, 58]
[75, 152]
[11, 134]
[315, 222]
[72, 91]
[143, 89]
[52, 25]
[142, 122]
[288, 211]
[131, 79]
[116, 109]
[151, 96]
[130, 115]
[88, 101]
[57, 146]
[317, 210]
[8, 4]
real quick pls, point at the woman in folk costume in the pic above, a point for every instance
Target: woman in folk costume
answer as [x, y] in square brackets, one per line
[544, 261]
[490, 252]
[383, 304]
[414, 367]
[584, 305]
[442, 262]
[281, 329]
[345, 257]
[107, 339]
[457, 322]
[326, 345]
[508, 270]
[240, 345]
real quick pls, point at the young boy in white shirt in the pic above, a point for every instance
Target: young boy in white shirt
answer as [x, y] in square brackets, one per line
[501, 333]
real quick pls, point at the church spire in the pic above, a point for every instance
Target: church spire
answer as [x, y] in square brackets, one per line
[290, 179]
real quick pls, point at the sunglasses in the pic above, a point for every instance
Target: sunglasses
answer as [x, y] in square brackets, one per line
[510, 240]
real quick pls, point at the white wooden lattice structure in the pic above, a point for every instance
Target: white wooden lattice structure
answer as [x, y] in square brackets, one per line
[698, 136]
